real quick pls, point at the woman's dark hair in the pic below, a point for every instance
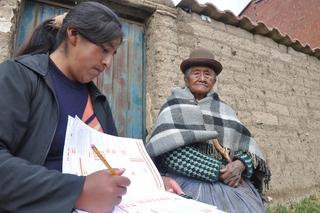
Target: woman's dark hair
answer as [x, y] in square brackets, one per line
[92, 20]
[42, 40]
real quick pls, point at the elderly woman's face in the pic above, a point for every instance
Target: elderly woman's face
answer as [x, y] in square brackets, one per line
[200, 81]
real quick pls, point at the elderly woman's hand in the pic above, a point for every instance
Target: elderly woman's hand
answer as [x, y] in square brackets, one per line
[231, 173]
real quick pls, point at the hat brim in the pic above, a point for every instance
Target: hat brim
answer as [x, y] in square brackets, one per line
[192, 62]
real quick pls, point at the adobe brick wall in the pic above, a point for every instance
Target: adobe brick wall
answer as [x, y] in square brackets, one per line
[297, 18]
[274, 89]
[8, 9]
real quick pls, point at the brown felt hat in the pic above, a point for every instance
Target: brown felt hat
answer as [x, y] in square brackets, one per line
[201, 57]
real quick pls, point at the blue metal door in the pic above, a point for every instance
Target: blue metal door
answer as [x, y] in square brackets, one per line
[123, 84]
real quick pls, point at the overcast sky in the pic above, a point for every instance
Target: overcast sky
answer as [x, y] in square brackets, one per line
[236, 6]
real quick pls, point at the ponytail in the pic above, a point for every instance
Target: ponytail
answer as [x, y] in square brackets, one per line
[92, 20]
[43, 38]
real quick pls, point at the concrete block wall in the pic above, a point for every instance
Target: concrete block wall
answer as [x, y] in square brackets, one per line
[274, 89]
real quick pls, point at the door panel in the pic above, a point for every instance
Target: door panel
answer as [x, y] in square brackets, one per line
[123, 84]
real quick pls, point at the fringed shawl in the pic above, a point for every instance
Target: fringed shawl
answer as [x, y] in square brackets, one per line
[183, 121]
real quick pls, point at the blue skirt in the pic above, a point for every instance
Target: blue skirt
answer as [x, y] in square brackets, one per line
[243, 199]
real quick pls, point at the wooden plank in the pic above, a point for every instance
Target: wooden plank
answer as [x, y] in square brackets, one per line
[123, 84]
[25, 27]
[135, 120]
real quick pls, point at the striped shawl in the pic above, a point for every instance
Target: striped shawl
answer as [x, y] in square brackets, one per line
[183, 121]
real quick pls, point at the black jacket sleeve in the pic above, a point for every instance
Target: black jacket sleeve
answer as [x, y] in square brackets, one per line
[26, 186]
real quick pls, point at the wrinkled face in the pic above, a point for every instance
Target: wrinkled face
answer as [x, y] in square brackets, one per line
[87, 60]
[200, 81]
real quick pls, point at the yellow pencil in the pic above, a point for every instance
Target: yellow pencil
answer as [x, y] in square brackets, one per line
[110, 169]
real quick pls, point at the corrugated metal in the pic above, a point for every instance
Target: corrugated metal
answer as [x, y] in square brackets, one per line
[123, 84]
[245, 23]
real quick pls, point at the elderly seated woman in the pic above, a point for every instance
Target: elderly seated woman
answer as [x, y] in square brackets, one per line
[181, 143]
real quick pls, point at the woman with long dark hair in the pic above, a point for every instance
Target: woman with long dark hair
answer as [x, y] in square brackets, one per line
[51, 78]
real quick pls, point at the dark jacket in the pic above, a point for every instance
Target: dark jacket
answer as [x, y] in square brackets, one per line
[28, 120]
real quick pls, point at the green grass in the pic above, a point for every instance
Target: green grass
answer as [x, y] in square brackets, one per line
[307, 205]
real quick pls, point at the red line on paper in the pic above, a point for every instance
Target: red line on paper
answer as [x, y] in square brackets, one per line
[158, 182]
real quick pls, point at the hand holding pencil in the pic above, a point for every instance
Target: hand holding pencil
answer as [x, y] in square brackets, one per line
[102, 190]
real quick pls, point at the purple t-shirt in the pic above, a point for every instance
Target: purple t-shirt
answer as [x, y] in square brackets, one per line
[72, 98]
